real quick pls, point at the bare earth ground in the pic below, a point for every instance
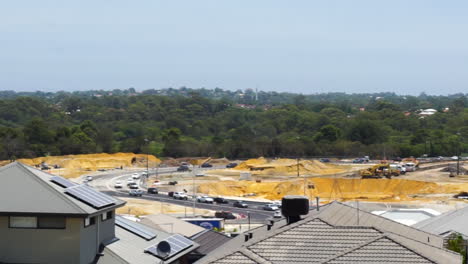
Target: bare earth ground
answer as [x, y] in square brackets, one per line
[144, 207]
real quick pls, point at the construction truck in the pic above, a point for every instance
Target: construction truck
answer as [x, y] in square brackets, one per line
[411, 160]
[379, 171]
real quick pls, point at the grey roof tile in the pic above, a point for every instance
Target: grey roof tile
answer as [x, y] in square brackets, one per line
[378, 251]
[311, 242]
[209, 240]
[333, 234]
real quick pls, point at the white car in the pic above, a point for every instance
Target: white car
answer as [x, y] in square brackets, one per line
[118, 184]
[277, 203]
[410, 166]
[130, 181]
[277, 214]
[205, 199]
[89, 178]
[402, 169]
[270, 207]
[180, 196]
[135, 176]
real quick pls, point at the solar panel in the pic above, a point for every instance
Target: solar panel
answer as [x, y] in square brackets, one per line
[134, 227]
[177, 242]
[90, 196]
[62, 181]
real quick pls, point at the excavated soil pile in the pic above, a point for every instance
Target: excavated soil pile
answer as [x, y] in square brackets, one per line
[262, 166]
[453, 169]
[329, 188]
[75, 165]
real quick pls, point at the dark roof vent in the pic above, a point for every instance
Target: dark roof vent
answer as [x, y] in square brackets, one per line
[293, 206]
[163, 248]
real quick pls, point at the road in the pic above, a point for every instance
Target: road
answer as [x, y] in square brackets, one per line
[105, 183]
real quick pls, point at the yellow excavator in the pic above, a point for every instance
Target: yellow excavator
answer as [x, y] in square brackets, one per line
[379, 171]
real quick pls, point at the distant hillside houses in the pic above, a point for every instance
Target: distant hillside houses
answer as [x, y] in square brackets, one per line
[427, 112]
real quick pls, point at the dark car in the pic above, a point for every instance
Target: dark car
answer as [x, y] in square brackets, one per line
[324, 160]
[183, 168]
[173, 182]
[136, 193]
[225, 215]
[153, 190]
[231, 165]
[170, 194]
[206, 165]
[240, 204]
[220, 200]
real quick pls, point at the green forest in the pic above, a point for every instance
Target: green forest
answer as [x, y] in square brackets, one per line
[234, 124]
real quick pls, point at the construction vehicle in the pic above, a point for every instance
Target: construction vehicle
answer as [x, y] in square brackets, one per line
[411, 160]
[379, 171]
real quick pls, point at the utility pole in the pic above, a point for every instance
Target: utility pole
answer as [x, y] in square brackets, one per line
[193, 192]
[458, 154]
[147, 162]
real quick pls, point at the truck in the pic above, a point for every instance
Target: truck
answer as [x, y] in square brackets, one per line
[379, 171]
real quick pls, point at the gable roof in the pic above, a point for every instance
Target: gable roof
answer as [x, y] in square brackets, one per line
[337, 213]
[30, 191]
[317, 240]
[452, 221]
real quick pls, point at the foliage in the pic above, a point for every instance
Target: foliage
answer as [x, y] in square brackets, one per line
[233, 124]
[457, 244]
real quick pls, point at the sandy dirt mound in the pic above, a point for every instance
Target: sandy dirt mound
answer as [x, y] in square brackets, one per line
[329, 188]
[262, 166]
[76, 165]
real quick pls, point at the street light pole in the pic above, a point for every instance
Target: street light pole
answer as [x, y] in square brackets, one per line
[298, 175]
[193, 191]
[147, 161]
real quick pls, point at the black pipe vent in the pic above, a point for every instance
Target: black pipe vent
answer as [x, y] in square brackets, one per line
[293, 206]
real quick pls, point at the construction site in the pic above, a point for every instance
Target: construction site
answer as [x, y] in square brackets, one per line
[265, 179]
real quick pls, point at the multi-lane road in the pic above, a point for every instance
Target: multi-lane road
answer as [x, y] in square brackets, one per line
[105, 183]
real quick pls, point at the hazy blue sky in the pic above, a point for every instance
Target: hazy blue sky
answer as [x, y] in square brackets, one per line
[406, 46]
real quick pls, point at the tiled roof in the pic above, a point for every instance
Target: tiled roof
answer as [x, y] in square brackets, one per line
[381, 250]
[311, 242]
[209, 240]
[235, 258]
[333, 235]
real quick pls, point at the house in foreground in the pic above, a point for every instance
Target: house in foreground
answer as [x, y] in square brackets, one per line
[48, 219]
[337, 233]
[448, 224]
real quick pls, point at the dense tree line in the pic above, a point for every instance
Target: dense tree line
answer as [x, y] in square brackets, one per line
[202, 122]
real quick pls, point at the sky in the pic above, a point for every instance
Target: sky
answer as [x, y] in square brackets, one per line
[400, 46]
